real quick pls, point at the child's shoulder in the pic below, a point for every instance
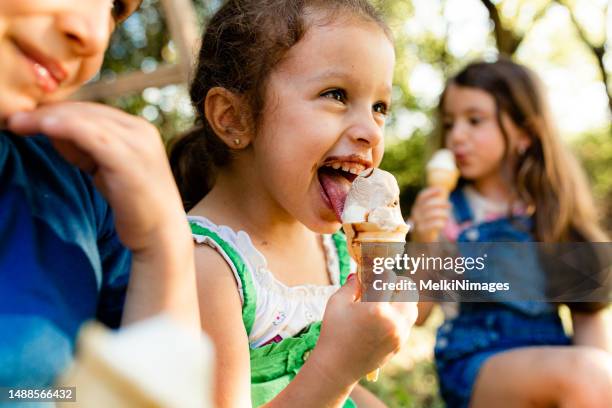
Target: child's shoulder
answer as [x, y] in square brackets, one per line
[235, 246]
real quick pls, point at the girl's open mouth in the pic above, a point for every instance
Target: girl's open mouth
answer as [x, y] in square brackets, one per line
[336, 177]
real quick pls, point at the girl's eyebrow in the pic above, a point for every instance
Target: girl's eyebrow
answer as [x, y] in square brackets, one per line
[475, 109]
[330, 74]
[339, 74]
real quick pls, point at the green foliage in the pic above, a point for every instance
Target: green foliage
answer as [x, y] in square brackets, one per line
[406, 161]
[414, 388]
[595, 152]
[143, 43]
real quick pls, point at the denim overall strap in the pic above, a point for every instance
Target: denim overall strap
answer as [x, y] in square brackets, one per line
[461, 208]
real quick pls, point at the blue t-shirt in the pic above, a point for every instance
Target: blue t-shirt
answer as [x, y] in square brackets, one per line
[61, 262]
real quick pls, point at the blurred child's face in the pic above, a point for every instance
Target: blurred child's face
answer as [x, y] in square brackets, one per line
[49, 48]
[473, 132]
[323, 119]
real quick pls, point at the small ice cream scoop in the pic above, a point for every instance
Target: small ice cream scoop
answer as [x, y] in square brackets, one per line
[442, 171]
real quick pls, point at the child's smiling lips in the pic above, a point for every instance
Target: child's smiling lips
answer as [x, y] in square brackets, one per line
[48, 72]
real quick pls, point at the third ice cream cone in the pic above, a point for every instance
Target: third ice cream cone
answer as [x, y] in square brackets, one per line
[446, 180]
[442, 172]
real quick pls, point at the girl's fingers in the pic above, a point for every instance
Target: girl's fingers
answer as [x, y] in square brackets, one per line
[428, 193]
[434, 213]
[434, 202]
[433, 225]
[87, 137]
[421, 218]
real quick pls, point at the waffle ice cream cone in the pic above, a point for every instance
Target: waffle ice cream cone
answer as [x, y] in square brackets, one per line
[361, 232]
[442, 171]
[372, 215]
[444, 179]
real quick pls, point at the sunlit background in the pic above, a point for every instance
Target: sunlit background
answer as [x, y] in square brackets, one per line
[567, 42]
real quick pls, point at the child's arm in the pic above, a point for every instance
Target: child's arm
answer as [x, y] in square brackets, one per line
[593, 329]
[355, 339]
[365, 399]
[221, 317]
[126, 157]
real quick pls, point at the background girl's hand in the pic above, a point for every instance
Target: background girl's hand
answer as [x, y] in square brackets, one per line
[126, 157]
[357, 338]
[430, 214]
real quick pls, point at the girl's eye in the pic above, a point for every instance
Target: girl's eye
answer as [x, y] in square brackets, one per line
[381, 108]
[447, 125]
[119, 10]
[337, 94]
[475, 121]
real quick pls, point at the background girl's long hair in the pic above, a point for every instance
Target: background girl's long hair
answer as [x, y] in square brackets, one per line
[546, 176]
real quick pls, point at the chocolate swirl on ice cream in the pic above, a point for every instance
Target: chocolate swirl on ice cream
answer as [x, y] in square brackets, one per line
[372, 212]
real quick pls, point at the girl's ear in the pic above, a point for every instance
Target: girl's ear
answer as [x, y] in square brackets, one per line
[523, 141]
[228, 115]
[519, 137]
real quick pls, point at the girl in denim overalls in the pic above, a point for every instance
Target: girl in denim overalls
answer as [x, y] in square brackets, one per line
[517, 184]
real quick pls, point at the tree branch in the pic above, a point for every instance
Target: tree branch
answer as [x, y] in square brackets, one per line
[541, 13]
[507, 41]
[598, 50]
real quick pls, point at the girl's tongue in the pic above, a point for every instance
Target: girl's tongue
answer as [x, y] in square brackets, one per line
[336, 186]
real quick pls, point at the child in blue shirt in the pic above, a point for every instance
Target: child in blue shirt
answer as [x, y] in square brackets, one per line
[518, 184]
[86, 195]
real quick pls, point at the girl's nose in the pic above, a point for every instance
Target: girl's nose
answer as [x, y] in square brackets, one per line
[456, 134]
[87, 27]
[366, 131]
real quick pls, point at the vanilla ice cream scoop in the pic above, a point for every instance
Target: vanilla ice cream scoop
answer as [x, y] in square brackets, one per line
[442, 171]
[443, 159]
[374, 198]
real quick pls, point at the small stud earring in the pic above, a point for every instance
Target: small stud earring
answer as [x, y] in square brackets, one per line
[237, 142]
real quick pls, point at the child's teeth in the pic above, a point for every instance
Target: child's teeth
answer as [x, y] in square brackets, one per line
[336, 166]
[345, 167]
